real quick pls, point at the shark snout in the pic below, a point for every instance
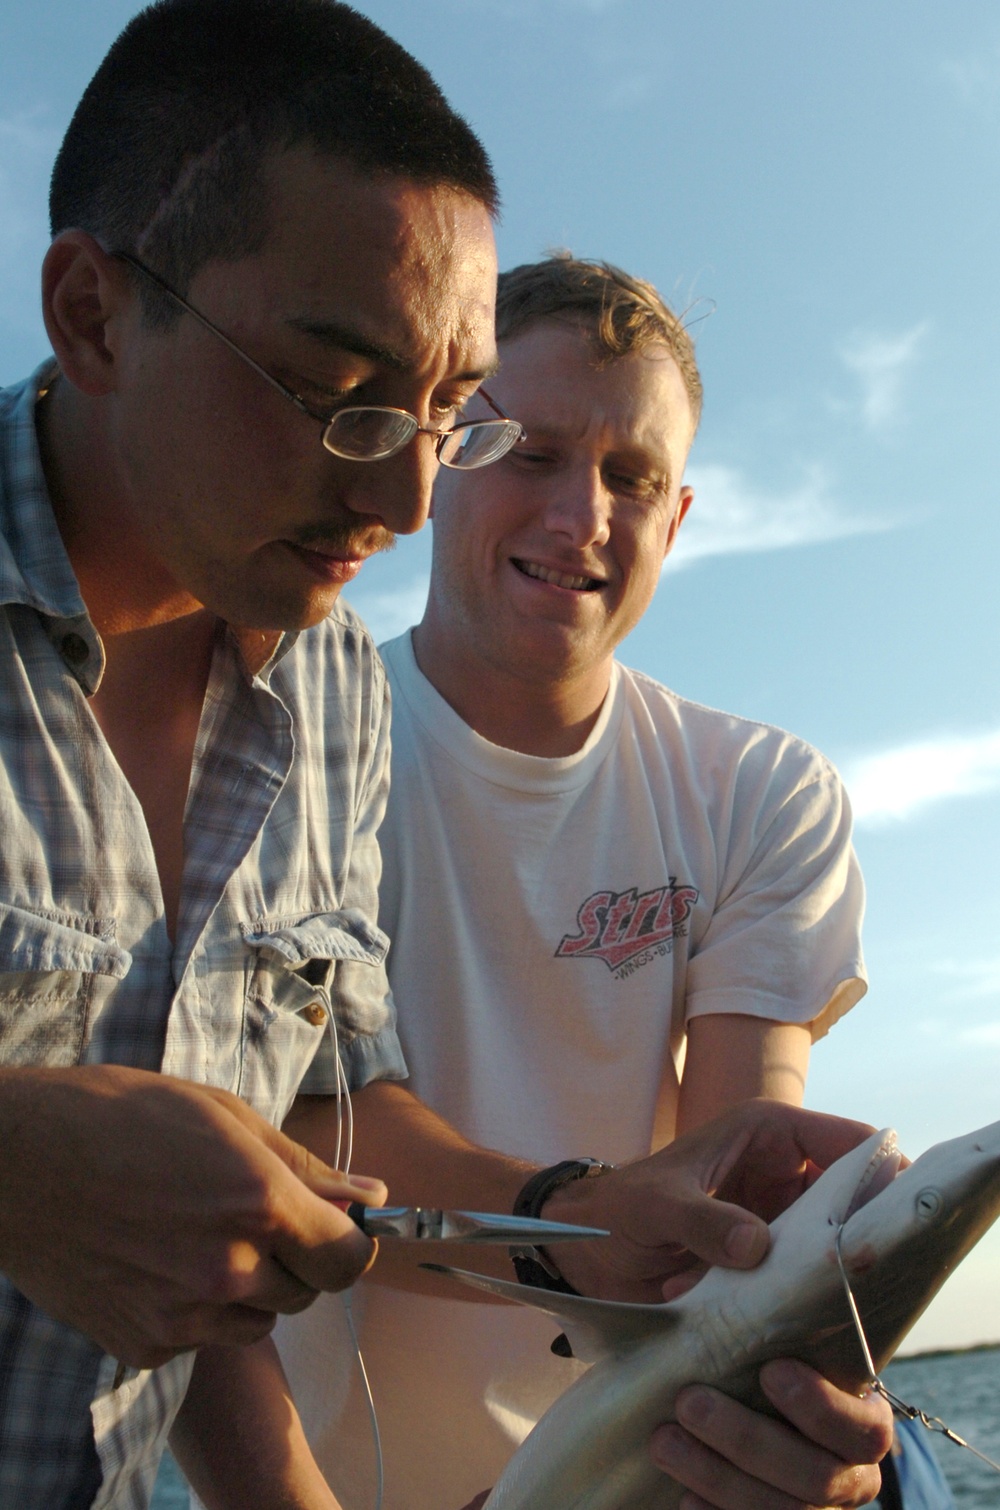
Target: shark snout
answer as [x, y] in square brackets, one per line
[879, 1172]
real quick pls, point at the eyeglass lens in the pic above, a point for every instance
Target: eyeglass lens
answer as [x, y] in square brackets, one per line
[373, 434]
[478, 444]
[369, 434]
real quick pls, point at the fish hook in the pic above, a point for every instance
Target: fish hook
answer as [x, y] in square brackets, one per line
[912, 1412]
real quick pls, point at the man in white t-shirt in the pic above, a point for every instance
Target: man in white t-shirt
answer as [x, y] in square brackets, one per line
[614, 913]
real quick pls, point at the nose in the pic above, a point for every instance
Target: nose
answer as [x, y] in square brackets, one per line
[579, 507]
[396, 492]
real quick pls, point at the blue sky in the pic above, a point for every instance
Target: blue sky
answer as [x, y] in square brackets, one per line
[816, 185]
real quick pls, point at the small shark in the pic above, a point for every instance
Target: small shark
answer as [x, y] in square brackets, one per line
[901, 1234]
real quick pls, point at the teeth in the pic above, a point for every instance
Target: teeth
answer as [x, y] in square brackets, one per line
[881, 1171]
[558, 579]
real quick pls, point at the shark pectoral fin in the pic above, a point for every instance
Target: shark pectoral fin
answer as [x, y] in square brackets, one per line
[595, 1328]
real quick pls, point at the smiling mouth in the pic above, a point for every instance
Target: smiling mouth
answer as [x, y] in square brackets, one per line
[573, 583]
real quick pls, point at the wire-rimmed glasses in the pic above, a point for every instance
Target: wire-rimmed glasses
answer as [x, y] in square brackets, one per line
[371, 432]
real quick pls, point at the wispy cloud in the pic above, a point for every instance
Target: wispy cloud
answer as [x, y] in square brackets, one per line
[976, 80]
[896, 784]
[984, 1034]
[975, 984]
[630, 88]
[879, 362]
[731, 516]
[388, 613]
[970, 979]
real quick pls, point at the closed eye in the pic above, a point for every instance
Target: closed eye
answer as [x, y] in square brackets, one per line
[322, 399]
[525, 455]
[637, 486]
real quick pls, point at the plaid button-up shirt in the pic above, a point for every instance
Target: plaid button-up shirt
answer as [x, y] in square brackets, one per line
[281, 870]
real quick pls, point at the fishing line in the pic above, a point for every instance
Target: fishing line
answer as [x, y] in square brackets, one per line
[345, 1117]
[912, 1412]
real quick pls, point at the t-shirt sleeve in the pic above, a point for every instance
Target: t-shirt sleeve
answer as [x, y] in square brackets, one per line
[359, 991]
[784, 940]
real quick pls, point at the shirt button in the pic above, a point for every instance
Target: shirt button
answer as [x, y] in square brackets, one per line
[314, 1014]
[75, 649]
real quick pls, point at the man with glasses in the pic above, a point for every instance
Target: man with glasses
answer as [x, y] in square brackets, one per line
[259, 229]
[256, 227]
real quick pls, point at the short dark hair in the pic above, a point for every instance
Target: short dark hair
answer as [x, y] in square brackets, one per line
[618, 312]
[163, 156]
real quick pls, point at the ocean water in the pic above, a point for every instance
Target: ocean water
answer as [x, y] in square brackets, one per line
[962, 1388]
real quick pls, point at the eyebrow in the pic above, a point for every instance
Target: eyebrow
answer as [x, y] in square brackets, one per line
[346, 339]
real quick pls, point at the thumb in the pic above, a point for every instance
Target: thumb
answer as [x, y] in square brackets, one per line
[720, 1233]
[328, 1183]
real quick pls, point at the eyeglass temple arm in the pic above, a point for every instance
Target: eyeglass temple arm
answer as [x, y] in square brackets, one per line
[493, 405]
[171, 293]
[289, 393]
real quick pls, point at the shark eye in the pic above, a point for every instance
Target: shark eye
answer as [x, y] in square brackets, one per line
[928, 1204]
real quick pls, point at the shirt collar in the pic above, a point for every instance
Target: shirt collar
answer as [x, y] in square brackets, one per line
[34, 567]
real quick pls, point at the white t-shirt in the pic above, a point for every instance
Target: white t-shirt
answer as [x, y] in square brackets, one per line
[554, 923]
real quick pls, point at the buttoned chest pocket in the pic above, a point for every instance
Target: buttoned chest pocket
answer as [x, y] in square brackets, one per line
[288, 1008]
[49, 963]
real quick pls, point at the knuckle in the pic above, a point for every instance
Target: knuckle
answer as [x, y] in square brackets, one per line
[270, 1206]
[227, 1277]
[852, 1487]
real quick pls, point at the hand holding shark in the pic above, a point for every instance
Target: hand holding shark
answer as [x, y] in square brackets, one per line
[897, 1235]
[706, 1198]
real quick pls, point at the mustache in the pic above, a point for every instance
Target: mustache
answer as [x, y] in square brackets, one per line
[346, 539]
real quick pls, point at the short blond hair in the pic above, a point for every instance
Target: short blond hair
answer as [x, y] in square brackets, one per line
[618, 312]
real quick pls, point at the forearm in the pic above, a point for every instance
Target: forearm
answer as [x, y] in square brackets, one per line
[238, 1437]
[732, 1058]
[423, 1159]
[425, 1162]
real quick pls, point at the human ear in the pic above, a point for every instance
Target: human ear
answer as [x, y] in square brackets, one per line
[84, 292]
[684, 502]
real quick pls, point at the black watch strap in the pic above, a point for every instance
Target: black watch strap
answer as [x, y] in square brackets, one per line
[533, 1266]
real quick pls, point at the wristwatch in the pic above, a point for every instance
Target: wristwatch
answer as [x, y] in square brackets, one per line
[533, 1266]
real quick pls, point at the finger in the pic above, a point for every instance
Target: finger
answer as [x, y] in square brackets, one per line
[235, 1325]
[322, 1247]
[858, 1430]
[198, 1326]
[710, 1477]
[821, 1137]
[742, 1444]
[330, 1184]
[269, 1286]
[679, 1284]
[717, 1232]
[318, 1176]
